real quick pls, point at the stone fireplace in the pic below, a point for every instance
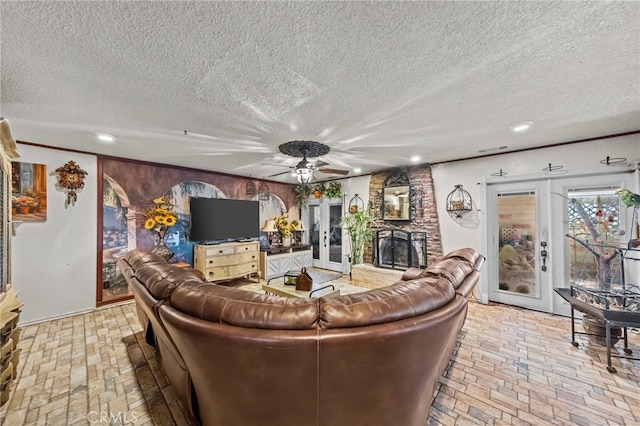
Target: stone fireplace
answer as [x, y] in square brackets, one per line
[399, 249]
[424, 219]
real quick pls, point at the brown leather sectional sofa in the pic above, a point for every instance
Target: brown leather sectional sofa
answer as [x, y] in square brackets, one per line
[240, 358]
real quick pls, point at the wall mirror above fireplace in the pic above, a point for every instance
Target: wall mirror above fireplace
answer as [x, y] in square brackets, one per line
[396, 200]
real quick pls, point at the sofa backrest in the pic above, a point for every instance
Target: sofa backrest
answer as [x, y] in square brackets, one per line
[157, 275]
[137, 258]
[241, 308]
[225, 305]
[162, 280]
[467, 254]
[404, 299]
[458, 267]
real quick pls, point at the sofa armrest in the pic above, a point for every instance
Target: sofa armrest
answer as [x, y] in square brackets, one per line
[412, 273]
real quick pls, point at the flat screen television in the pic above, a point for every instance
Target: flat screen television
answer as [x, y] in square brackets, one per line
[221, 219]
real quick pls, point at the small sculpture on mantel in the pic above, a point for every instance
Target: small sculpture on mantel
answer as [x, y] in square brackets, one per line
[70, 179]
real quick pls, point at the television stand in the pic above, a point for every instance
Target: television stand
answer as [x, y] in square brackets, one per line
[228, 261]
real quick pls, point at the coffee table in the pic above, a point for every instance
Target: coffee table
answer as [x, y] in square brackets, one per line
[278, 287]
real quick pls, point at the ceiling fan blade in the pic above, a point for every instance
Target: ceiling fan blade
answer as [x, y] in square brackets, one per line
[320, 164]
[334, 171]
[279, 174]
[279, 165]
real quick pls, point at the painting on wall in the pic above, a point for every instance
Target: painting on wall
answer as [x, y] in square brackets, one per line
[28, 192]
[147, 207]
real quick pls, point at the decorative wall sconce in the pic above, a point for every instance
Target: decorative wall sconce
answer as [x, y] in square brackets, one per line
[553, 169]
[263, 191]
[459, 202]
[356, 204]
[250, 189]
[70, 179]
[615, 161]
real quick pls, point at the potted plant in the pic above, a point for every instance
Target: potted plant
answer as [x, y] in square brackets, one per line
[302, 193]
[359, 227]
[318, 189]
[334, 190]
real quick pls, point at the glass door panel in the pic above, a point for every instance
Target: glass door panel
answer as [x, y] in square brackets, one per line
[324, 217]
[517, 242]
[314, 229]
[602, 206]
[519, 268]
[335, 233]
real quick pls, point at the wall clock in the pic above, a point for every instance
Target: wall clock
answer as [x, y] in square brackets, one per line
[70, 179]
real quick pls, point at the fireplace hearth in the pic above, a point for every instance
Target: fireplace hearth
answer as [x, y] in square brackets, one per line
[398, 249]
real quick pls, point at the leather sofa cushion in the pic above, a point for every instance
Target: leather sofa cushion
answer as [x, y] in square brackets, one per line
[398, 301]
[412, 273]
[451, 269]
[138, 258]
[241, 308]
[468, 254]
[161, 279]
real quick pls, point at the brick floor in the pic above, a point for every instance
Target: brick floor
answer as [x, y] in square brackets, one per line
[511, 367]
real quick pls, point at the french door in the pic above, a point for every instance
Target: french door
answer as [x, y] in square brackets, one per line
[527, 223]
[521, 272]
[324, 218]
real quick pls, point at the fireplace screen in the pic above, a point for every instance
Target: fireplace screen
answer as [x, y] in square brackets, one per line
[397, 249]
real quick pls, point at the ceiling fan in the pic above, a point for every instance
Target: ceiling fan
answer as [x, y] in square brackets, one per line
[304, 169]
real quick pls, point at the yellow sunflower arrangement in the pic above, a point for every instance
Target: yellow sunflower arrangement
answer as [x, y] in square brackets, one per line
[160, 217]
[284, 227]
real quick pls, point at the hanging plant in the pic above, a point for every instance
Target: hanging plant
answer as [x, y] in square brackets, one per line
[303, 191]
[334, 190]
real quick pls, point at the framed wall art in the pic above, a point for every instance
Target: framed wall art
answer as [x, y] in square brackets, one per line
[28, 192]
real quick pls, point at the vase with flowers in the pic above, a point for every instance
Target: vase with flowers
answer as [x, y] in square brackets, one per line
[158, 219]
[285, 228]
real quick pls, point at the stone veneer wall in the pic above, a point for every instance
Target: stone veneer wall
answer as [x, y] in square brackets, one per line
[425, 218]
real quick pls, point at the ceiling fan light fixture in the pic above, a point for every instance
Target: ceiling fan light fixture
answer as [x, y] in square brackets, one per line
[304, 175]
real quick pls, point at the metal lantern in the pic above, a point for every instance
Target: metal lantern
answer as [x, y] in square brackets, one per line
[459, 202]
[263, 192]
[250, 189]
[356, 204]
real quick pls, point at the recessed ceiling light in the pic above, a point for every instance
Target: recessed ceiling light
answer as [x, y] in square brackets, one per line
[357, 170]
[521, 127]
[105, 137]
[415, 158]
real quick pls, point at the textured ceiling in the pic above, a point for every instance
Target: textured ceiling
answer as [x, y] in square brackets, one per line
[378, 82]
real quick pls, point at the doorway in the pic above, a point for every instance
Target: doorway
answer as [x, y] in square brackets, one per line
[324, 217]
[527, 223]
